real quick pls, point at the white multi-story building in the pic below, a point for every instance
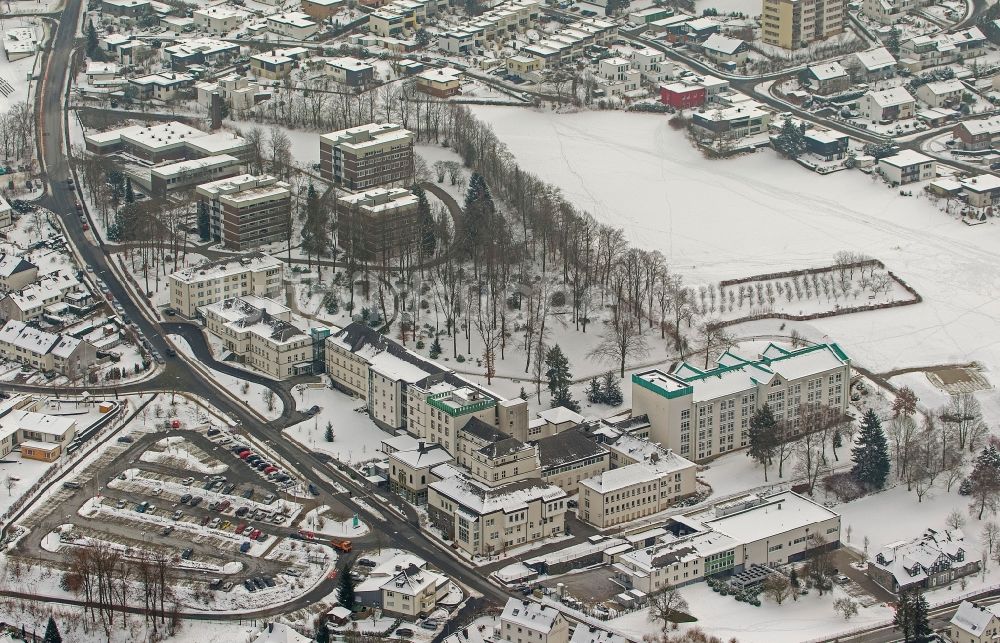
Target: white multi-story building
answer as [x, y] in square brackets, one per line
[618, 75]
[30, 302]
[907, 166]
[219, 19]
[483, 520]
[239, 276]
[646, 480]
[731, 537]
[16, 272]
[700, 413]
[524, 621]
[260, 333]
[926, 51]
[974, 623]
[652, 65]
[414, 592]
[887, 105]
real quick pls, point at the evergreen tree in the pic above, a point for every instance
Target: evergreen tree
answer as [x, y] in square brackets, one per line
[328, 435]
[984, 481]
[557, 370]
[871, 453]
[523, 394]
[425, 220]
[93, 45]
[435, 349]
[911, 617]
[564, 398]
[763, 436]
[345, 595]
[612, 389]
[322, 632]
[52, 632]
[790, 141]
[315, 231]
[129, 192]
[204, 222]
[480, 211]
[594, 393]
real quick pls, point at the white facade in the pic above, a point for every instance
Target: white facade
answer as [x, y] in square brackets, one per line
[524, 621]
[701, 413]
[252, 274]
[907, 167]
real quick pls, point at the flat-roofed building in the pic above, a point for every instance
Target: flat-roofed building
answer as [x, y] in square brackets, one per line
[368, 156]
[440, 82]
[700, 413]
[219, 19]
[190, 173]
[321, 10]
[378, 222]
[247, 211]
[569, 457]
[251, 274]
[161, 86]
[293, 24]
[350, 71]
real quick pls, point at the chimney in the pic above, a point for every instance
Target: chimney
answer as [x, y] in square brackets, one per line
[420, 446]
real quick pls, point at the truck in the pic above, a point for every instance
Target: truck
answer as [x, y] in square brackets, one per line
[342, 545]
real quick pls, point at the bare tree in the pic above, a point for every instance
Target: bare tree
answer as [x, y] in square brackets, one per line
[991, 535]
[965, 416]
[777, 587]
[665, 606]
[845, 607]
[622, 339]
[714, 339]
[955, 520]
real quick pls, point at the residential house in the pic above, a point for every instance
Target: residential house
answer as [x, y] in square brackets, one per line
[162, 86]
[723, 49]
[219, 19]
[293, 24]
[978, 134]
[887, 105]
[522, 621]
[618, 76]
[973, 623]
[31, 302]
[942, 93]
[652, 65]
[935, 559]
[982, 191]
[871, 65]
[413, 592]
[439, 82]
[320, 10]
[826, 144]
[739, 121]
[828, 78]
[926, 51]
[46, 351]
[681, 95]
[907, 166]
[16, 272]
[350, 71]
[410, 470]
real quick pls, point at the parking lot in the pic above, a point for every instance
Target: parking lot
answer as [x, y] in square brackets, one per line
[223, 513]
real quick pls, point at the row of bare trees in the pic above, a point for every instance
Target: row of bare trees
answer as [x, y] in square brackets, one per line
[114, 582]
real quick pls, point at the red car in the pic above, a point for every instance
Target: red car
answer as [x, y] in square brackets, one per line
[254, 534]
[270, 469]
[245, 454]
[239, 528]
[308, 535]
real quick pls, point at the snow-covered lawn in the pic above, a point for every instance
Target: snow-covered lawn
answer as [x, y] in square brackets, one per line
[790, 622]
[174, 451]
[318, 521]
[356, 437]
[758, 214]
[253, 395]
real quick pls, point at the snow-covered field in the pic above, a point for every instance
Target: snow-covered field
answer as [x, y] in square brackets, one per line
[317, 520]
[790, 622]
[757, 214]
[356, 438]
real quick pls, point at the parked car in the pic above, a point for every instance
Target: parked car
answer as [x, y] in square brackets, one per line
[69, 484]
[187, 553]
[120, 504]
[313, 489]
[166, 531]
[195, 501]
[249, 583]
[245, 547]
[125, 439]
[214, 523]
[186, 498]
[178, 514]
[259, 582]
[269, 581]
[248, 493]
[242, 511]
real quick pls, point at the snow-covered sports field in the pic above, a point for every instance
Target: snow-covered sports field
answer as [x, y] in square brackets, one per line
[758, 214]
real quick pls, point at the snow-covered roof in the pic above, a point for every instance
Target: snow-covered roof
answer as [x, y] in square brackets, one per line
[32, 340]
[989, 125]
[413, 581]
[944, 87]
[721, 44]
[561, 414]
[828, 71]
[293, 18]
[778, 514]
[348, 63]
[974, 619]
[280, 633]
[637, 473]
[534, 616]
[45, 290]
[55, 425]
[589, 634]
[483, 500]
[906, 158]
[891, 97]
[567, 446]
[227, 267]
[909, 561]
[12, 264]
[190, 165]
[430, 456]
[981, 183]
[875, 59]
